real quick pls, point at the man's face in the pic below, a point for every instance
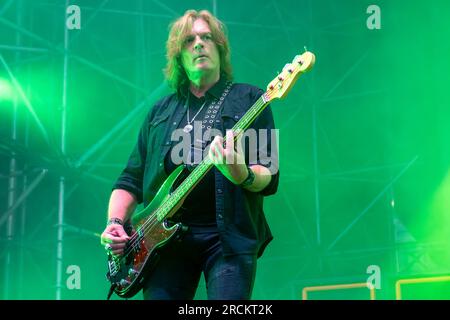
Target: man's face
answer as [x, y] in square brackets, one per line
[200, 54]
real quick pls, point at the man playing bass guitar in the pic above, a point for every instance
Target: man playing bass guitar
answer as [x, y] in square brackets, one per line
[226, 227]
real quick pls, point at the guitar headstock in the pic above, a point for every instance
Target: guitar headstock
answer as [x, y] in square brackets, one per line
[280, 86]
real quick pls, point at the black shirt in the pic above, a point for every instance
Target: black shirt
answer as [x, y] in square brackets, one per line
[239, 213]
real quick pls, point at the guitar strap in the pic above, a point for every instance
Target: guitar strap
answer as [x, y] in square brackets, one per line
[209, 122]
[214, 109]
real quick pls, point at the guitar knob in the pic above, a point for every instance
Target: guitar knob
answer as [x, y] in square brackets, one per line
[124, 283]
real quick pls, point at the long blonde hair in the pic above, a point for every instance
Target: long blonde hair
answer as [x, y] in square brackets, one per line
[175, 74]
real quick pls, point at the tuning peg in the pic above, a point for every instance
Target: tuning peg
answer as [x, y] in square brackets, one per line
[288, 68]
[278, 76]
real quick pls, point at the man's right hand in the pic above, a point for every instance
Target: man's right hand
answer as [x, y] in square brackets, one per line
[116, 237]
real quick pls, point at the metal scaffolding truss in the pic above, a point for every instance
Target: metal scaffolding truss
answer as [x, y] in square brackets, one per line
[17, 201]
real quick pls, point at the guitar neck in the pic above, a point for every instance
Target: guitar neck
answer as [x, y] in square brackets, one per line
[205, 165]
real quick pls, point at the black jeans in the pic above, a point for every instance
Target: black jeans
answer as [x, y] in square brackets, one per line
[178, 272]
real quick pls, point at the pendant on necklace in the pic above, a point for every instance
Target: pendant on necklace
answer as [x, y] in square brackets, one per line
[187, 128]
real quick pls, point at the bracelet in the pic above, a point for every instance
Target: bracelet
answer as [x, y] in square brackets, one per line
[115, 221]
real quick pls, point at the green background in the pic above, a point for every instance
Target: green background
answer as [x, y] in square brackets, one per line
[364, 137]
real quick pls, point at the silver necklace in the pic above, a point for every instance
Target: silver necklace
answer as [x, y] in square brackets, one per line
[188, 127]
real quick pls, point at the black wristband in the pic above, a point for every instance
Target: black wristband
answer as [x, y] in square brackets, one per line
[115, 221]
[250, 178]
